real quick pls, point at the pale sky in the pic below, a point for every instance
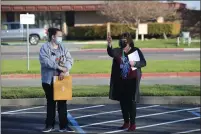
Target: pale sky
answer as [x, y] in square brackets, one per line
[191, 4]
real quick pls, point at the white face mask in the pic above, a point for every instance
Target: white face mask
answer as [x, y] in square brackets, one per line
[58, 40]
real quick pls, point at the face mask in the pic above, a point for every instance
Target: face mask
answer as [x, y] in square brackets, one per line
[58, 40]
[122, 43]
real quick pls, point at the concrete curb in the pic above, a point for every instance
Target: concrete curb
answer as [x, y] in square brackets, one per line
[144, 75]
[191, 49]
[23, 50]
[176, 100]
[150, 50]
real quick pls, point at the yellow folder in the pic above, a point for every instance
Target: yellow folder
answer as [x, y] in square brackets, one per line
[63, 88]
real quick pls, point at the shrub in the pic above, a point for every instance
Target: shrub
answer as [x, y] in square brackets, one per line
[99, 32]
[167, 28]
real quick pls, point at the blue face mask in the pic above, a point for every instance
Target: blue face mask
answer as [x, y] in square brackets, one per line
[58, 40]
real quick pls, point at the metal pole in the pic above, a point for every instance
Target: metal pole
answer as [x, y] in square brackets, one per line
[27, 46]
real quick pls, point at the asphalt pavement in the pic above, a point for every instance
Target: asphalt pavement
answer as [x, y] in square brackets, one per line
[152, 119]
[80, 55]
[20, 52]
[104, 81]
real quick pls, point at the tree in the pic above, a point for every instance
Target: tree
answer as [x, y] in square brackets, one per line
[134, 12]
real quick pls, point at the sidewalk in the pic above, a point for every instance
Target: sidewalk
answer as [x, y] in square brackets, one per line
[144, 75]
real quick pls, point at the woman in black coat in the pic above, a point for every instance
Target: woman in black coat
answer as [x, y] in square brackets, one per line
[124, 82]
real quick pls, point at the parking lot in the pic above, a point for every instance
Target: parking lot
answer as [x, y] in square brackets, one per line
[152, 119]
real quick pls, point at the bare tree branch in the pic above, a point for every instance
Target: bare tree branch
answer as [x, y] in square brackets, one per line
[136, 11]
[132, 13]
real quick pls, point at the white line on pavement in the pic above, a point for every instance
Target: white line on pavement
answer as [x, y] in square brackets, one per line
[175, 111]
[15, 111]
[25, 113]
[159, 124]
[184, 132]
[110, 112]
[21, 110]
[86, 108]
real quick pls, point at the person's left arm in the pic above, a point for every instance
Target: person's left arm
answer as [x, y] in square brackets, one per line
[68, 60]
[142, 62]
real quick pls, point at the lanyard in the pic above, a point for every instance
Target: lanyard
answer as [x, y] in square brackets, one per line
[123, 54]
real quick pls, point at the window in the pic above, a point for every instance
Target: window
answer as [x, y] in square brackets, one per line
[30, 26]
[14, 26]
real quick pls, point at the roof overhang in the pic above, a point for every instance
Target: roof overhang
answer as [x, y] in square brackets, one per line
[14, 6]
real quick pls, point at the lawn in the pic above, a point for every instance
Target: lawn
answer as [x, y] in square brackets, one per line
[93, 91]
[159, 43]
[102, 66]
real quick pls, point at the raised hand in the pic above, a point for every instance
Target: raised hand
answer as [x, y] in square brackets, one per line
[109, 39]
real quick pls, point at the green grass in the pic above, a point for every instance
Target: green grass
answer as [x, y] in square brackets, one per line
[102, 66]
[159, 43]
[94, 91]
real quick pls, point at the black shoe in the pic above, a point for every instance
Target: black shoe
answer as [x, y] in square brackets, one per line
[67, 129]
[48, 129]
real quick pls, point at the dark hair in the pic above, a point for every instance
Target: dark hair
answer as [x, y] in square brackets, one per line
[125, 39]
[52, 31]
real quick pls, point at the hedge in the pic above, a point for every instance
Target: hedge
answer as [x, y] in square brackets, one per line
[99, 32]
[168, 28]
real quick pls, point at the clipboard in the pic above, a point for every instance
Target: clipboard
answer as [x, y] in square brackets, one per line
[134, 57]
[62, 89]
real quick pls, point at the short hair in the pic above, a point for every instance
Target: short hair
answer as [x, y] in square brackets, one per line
[52, 31]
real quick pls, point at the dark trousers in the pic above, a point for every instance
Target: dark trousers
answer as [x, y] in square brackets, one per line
[51, 104]
[127, 100]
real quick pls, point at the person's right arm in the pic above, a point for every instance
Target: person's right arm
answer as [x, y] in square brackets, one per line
[109, 46]
[46, 61]
[110, 51]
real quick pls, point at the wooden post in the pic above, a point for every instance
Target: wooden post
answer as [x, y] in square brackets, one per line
[108, 28]
[178, 41]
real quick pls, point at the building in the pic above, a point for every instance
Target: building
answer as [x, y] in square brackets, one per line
[54, 13]
[58, 13]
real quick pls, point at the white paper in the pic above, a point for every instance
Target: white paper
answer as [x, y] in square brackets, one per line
[134, 57]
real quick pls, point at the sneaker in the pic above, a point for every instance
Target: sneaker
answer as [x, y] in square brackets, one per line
[132, 127]
[48, 129]
[62, 130]
[125, 126]
[67, 129]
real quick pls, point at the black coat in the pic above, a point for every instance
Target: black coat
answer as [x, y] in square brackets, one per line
[114, 93]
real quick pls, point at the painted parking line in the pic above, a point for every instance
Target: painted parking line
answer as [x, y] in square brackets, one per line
[86, 108]
[18, 111]
[148, 115]
[110, 112]
[24, 113]
[195, 113]
[75, 124]
[159, 124]
[22, 109]
[190, 131]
